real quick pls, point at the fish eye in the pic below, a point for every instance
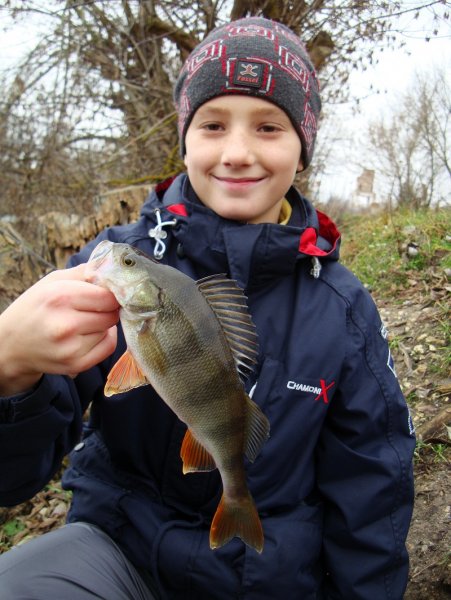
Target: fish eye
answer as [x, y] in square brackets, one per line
[128, 261]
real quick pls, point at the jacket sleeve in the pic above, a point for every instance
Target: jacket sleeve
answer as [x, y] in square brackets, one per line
[39, 428]
[36, 431]
[365, 468]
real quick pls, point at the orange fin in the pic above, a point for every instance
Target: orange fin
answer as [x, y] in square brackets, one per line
[124, 376]
[237, 519]
[194, 456]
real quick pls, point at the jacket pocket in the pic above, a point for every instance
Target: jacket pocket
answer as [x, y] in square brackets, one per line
[291, 559]
[97, 493]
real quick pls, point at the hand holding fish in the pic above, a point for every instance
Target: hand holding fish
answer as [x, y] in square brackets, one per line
[60, 325]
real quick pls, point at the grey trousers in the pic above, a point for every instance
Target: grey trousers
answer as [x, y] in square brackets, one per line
[76, 562]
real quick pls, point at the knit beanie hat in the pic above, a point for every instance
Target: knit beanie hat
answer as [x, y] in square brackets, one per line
[254, 57]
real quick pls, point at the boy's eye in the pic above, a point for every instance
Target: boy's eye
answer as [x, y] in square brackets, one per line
[212, 126]
[269, 128]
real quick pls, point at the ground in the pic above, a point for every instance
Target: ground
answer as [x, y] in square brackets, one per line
[429, 538]
[415, 330]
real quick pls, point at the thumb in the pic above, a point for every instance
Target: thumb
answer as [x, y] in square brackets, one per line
[75, 273]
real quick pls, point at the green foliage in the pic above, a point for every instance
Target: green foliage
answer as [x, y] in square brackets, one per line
[376, 248]
[428, 452]
[11, 528]
[46, 511]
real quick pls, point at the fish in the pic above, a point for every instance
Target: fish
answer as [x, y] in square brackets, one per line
[196, 344]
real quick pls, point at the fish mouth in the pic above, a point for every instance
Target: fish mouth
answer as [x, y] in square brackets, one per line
[98, 257]
[100, 251]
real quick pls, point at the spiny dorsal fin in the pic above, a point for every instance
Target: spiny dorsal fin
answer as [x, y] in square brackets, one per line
[229, 304]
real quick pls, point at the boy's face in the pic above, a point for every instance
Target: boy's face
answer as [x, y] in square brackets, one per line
[242, 154]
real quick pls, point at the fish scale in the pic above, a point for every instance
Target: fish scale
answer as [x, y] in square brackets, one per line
[195, 343]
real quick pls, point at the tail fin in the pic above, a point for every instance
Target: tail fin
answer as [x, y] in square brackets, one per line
[237, 519]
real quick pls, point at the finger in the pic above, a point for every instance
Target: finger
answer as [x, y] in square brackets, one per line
[83, 296]
[104, 347]
[97, 322]
[77, 272]
[87, 296]
[95, 300]
[90, 350]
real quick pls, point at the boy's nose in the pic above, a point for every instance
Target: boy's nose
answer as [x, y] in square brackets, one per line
[237, 150]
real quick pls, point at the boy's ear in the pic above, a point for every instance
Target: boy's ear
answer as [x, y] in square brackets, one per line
[300, 166]
[184, 160]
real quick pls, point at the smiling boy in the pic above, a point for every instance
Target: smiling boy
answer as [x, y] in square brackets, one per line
[333, 484]
[242, 156]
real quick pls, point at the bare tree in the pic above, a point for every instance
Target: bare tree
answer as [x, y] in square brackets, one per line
[434, 102]
[411, 148]
[91, 104]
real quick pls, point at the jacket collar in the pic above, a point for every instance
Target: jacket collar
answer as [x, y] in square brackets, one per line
[250, 254]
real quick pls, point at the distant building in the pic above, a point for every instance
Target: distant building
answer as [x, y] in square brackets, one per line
[364, 197]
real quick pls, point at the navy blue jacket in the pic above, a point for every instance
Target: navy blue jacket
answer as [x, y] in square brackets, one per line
[333, 484]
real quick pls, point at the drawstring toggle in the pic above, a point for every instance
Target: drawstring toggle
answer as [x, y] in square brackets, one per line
[158, 234]
[316, 268]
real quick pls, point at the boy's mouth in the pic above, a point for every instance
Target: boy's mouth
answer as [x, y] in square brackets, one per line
[238, 181]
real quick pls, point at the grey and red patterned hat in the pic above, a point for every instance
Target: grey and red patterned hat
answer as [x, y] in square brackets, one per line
[255, 57]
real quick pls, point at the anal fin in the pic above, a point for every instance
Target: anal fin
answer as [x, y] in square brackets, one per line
[194, 456]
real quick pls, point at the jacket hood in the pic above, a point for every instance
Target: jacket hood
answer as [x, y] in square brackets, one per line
[250, 253]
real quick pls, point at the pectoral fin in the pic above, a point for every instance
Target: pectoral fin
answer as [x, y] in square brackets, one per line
[195, 457]
[124, 376]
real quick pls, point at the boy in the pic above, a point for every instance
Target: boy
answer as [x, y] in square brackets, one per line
[333, 484]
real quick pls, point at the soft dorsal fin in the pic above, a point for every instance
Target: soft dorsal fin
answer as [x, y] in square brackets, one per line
[229, 304]
[257, 429]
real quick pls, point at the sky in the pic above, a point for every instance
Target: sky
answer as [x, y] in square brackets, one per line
[378, 90]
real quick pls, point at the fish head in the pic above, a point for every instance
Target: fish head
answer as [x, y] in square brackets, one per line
[127, 273]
